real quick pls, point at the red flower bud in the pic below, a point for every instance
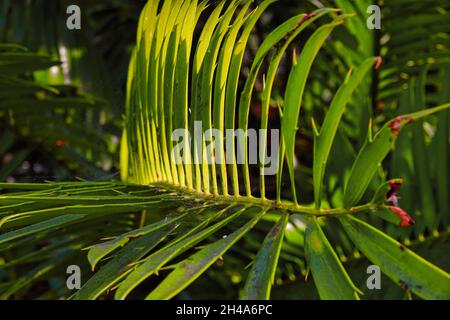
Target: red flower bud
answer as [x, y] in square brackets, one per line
[398, 123]
[406, 220]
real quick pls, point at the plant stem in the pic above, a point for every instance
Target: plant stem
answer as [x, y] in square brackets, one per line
[272, 204]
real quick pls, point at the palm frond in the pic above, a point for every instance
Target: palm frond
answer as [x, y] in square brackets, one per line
[172, 202]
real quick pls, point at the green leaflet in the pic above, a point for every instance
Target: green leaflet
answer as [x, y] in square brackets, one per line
[218, 107]
[331, 279]
[155, 261]
[402, 265]
[373, 152]
[99, 251]
[169, 83]
[324, 141]
[24, 218]
[73, 242]
[52, 186]
[38, 272]
[85, 200]
[357, 25]
[191, 268]
[20, 62]
[50, 224]
[124, 156]
[294, 94]
[270, 78]
[300, 22]
[180, 118]
[12, 86]
[201, 175]
[120, 265]
[205, 91]
[261, 276]
[233, 80]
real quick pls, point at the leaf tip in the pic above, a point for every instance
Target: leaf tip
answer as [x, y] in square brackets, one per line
[379, 63]
[314, 126]
[305, 18]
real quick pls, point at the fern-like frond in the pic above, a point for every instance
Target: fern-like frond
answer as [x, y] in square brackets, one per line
[183, 209]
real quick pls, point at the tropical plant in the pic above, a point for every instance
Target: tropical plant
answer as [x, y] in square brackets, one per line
[171, 224]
